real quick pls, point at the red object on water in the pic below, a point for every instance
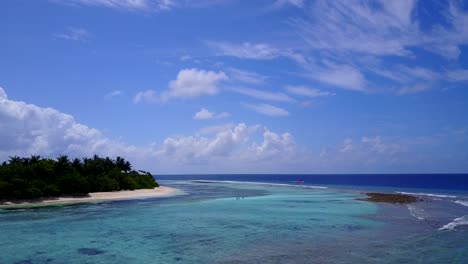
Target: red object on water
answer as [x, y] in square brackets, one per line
[300, 181]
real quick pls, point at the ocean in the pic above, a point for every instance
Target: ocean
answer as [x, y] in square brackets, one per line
[252, 219]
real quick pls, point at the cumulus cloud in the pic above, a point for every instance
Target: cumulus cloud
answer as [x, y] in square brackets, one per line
[27, 129]
[215, 129]
[275, 144]
[192, 83]
[267, 109]
[204, 114]
[232, 142]
[148, 96]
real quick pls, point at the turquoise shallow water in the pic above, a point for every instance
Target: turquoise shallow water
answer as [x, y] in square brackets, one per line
[236, 223]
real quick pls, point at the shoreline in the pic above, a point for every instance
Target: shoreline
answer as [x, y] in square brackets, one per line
[158, 192]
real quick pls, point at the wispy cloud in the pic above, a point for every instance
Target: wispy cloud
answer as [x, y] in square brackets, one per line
[112, 94]
[340, 38]
[263, 95]
[245, 50]
[74, 34]
[248, 77]
[130, 5]
[307, 92]
[267, 109]
[457, 75]
[346, 33]
[204, 114]
[282, 3]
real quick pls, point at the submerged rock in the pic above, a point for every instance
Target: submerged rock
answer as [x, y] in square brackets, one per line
[390, 198]
[91, 251]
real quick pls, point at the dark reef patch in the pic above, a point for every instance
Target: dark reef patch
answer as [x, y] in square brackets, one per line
[390, 198]
[91, 251]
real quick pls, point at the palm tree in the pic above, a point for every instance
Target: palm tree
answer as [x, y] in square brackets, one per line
[63, 161]
[15, 160]
[34, 159]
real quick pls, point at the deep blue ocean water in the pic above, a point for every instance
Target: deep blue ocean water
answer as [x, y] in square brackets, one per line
[252, 219]
[417, 181]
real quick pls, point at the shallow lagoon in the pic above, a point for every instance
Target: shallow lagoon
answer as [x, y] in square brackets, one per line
[236, 223]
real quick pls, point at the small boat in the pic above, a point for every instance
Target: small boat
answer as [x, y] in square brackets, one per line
[300, 181]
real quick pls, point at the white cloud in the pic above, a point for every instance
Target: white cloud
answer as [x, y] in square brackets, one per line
[458, 75]
[263, 95]
[413, 89]
[204, 114]
[185, 58]
[385, 28]
[130, 5]
[347, 145]
[215, 129]
[112, 94]
[231, 142]
[192, 83]
[342, 76]
[267, 109]
[307, 92]
[148, 96]
[246, 76]
[27, 129]
[341, 38]
[275, 145]
[296, 3]
[3, 95]
[246, 50]
[75, 34]
[367, 153]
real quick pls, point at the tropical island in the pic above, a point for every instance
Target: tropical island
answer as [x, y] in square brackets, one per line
[37, 178]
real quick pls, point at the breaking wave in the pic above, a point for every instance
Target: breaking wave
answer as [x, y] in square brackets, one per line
[456, 222]
[264, 184]
[419, 213]
[465, 203]
[429, 194]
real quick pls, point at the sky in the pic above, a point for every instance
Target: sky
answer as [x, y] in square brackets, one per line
[230, 86]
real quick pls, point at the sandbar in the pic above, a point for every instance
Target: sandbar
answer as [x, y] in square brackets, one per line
[161, 191]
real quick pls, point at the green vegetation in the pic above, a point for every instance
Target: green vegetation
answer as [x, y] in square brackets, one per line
[35, 177]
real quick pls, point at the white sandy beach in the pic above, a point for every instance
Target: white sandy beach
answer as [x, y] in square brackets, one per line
[161, 191]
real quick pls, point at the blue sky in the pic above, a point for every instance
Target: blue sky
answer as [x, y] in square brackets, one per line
[213, 86]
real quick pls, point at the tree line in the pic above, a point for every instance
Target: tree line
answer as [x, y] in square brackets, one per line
[35, 177]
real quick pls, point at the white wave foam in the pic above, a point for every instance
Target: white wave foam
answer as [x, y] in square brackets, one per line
[264, 184]
[465, 203]
[456, 222]
[419, 213]
[430, 195]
